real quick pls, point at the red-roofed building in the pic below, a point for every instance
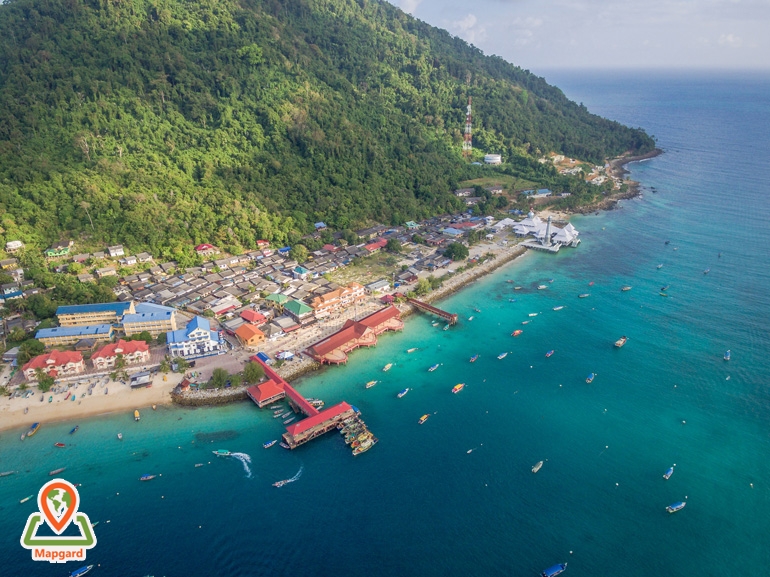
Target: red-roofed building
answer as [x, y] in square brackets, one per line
[330, 248]
[263, 244]
[55, 364]
[134, 352]
[315, 426]
[266, 393]
[206, 249]
[375, 246]
[253, 317]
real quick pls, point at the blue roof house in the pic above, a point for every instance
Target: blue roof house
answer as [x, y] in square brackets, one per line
[194, 341]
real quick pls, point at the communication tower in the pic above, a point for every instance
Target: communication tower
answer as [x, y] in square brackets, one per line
[468, 138]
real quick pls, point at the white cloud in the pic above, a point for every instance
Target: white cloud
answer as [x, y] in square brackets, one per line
[408, 6]
[730, 40]
[469, 29]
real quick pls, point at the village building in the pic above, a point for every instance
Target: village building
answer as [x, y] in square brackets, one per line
[93, 314]
[378, 286]
[116, 251]
[299, 311]
[13, 246]
[206, 249]
[61, 248]
[70, 335]
[328, 303]
[154, 323]
[253, 317]
[55, 364]
[250, 336]
[133, 353]
[195, 340]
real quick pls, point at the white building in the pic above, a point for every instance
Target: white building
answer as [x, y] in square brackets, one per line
[195, 340]
[493, 159]
[13, 245]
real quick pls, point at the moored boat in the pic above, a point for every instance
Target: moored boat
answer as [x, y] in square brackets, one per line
[673, 508]
[537, 467]
[446, 328]
[727, 355]
[198, 465]
[137, 416]
[402, 393]
[147, 477]
[517, 288]
[533, 314]
[269, 444]
[470, 318]
[501, 356]
[669, 472]
[59, 445]
[286, 414]
[626, 288]
[6, 473]
[74, 429]
[82, 571]
[284, 445]
[33, 429]
[23, 436]
[621, 341]
[120, 436]
[516, 333]
[423, 419]
[458, 387]
[660, 266]
[584, 295]
[289, 420]
[25, 499]
[542, 287]
[411, 350]
[708, 270]
[222, 453]
[554, 570]
[664, 288]
[56, 471]
[363, 447]
[590, 378]
[558, 308]
[433, 368]
[278, 414]
[370, 384]
[387, 367]
[473, 359]
[549, 353]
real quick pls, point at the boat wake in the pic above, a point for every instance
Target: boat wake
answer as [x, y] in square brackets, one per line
[246, 460]
[294, 478]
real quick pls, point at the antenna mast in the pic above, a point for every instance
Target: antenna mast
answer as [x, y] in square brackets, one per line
[468, 138]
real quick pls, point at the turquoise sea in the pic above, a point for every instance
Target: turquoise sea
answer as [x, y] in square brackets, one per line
[419, 503]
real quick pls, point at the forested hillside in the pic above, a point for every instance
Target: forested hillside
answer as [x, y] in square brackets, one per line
[163, 123]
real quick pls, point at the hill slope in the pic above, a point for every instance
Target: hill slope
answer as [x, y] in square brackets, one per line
[161, 123]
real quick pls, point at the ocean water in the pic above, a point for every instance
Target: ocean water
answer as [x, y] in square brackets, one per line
[419, 503]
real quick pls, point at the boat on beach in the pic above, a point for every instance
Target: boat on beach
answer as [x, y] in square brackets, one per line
[222, 453]
[673, 508]
[458, 387]
[74, 429]
[147, 477]
[727, 355]
[669, 472]
[33, 429]
[402, 393]
[387, 367]
[433, 368]
[621, 341]
[516, 333]
[56, 471]
[370, 384]
[473, 359]
[549, 353]
[82, 571]
[554, 571]
[59, 445]
[590, 378]
[537, 467]
[269, 444]
[423, 419]
[501, 356]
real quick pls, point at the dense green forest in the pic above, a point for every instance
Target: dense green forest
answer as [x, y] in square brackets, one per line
[164, 123]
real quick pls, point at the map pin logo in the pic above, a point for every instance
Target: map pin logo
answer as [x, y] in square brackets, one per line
[58, 501]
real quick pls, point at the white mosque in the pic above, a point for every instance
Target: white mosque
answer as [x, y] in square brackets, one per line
[546, 236]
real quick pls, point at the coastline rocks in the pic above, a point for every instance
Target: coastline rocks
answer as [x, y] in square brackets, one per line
[209, 397]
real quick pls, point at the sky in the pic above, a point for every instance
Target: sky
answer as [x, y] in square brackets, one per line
[555, 34]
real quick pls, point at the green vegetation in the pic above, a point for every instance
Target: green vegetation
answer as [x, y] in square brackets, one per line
[253, 373]
[456, 251]
[161, 124]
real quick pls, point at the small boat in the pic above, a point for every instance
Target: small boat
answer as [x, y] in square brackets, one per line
[289, 420]
[470, 318]
[727, 355]
[621, 341]
[473, 359]
[478, 310]
[277, 415]
[676, 248]
[525, 322]
[402, 393]
[387, 367]
[660, 266]
[669, 472]
[82, 571]
[50, 399]
[550, 280]
[664, 288]
[533, 314]
[411, 350]
[59, 445]
[590, 378]
[554, 571]
[663, 294]
[370, 384]
[198, 465]
[23, 436]
[676, 507]
[120, 436]
[33, 429]
[147, 477]
[511, 300]
[501, 356]
[517, 288]
[708, 270]
[591, 283]
[537, 467]
[154, 407]
[433, 368]
[446, 328]
[626, 288]
[668, 241]
[286, 414]
[94, 524]
[542, 287]
[222, 453]
[516, 333]
[269, 444]
[25, 499]
[6, 473]
[584, 295]
[280, 483]
[74, 429]
[458, 387]
[56, 471]
[558, 308]
[434, 323]
[423, 419]
[549, 353]
[284, 445]
[26, 410]
[136, 415]
[275, 407]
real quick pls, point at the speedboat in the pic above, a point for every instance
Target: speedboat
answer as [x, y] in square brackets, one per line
[665, 288]
[549, 353]
[423, 419]
[584, 295]
[59, 445]
[25, 499]
[502, 355]
[269, 443]
[516, 333]
[458, 387]
[626, 288]
[81, 571]
[542, 287]
[708, 270]
[198, 465]
[280, 483]
[676, 507]
[370, 384]
[473, 359]
[136, 415]
[56, 471]
[669, 472]
[446, 328]
[517, 288]
[621, 341]
[402, 393]
[120, 436]
[533, 314]
[411, 350]
[660, 266]
[222, 453]
[74, 429]
[6, 473]
[558, 308]
[433, 368]
[554, 571]
[537, 467]
[147, 477]
[591, 283]
[525, 322]
[33, 429]
[387, 367]
[727, 355]
[590, 378]
[470, 318]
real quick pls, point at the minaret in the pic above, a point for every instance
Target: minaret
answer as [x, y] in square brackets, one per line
[467, 137]
[547, 239]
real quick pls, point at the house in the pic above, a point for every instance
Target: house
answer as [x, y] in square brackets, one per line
[463, 192]
[144, 257]
[253, 317]
[299, 311]
[154, 322]
[320, 226]
[81, 258]
[115, 251]
[249, 335]
[377, 286]
[262, 244]
[61, 248]
[55, 364]
[376, 246]
[13, 246]
[206, 249]
[277, 301]
[92, 314]
[72, 334]
[106, 271]
[128, 261]
[132, 352]
[330, 302]
[301, 272]
[195, 340]
[9, 263]
[86, 277]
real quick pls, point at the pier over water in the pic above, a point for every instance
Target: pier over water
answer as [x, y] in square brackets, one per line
[449, 317]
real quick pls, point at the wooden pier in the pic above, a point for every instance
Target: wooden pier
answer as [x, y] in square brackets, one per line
[451, 318]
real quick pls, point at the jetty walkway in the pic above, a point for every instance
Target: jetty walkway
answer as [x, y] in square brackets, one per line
[451, 318]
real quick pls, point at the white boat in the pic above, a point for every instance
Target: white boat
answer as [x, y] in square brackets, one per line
[402, 393]
[433, 368]
[676, 507]
[470, 318]
[533, 314]
[387, 367]
[370, 384]
[502, 355]
[542, 287]
[558, 308]
[120, 436]
[411, 350]
[446, 327]
[537, 467]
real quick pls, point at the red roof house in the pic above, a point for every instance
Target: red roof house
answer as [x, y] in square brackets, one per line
[253, 317]
[55, 364]
[133, 352]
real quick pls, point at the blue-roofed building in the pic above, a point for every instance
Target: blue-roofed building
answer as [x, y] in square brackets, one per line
[71, 335]
[450, 231]
[154, 323]
[93, 314]
[195, 340]
[320, 226]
